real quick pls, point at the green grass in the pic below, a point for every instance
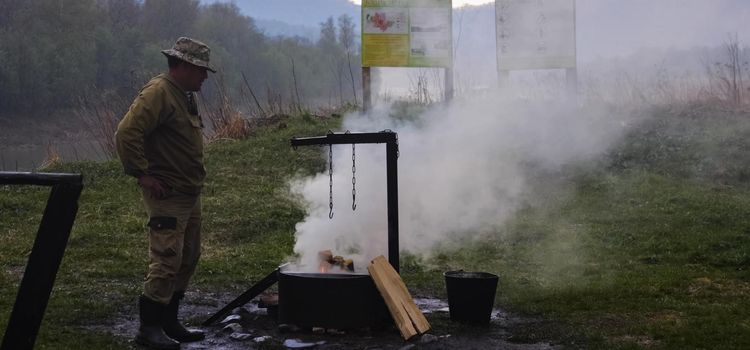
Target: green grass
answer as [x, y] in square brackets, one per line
[634, 258]
[249, 220]
[648, 247]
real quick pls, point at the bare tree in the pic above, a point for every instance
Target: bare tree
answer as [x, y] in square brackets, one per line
[728, 74]
[346, 39]
[296, 89]
[327, 39]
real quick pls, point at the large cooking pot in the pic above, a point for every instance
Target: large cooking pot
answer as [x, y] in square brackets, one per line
[328, 300]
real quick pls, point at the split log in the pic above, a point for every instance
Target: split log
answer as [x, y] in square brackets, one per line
[407, 316]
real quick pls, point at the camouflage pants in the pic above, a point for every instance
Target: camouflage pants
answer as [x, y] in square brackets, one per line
[174, 243]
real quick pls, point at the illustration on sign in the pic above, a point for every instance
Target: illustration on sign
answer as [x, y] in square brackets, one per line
[385, 21]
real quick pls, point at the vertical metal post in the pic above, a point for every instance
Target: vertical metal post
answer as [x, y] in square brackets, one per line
[503, 79]
[448, 84]
[391, 155]
[571, 74]
[41, 269]
[571, 84]
[366, 89]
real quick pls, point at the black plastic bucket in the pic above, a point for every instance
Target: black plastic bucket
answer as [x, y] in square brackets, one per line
[471, 295]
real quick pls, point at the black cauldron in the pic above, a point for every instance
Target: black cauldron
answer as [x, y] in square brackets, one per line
[329, 300]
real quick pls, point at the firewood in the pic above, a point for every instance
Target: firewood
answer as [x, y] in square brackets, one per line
[325, 255]
[409, 319]
[348, 265]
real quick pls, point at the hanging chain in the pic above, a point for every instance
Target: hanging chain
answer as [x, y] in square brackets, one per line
[330, 183]
[354, 180]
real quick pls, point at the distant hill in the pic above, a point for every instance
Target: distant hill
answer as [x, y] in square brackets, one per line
[300, 18]
[308, 13]
[272, 27]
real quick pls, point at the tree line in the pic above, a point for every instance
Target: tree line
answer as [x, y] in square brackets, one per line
[55, 51]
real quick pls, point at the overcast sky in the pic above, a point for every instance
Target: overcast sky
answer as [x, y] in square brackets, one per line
[456, 3]
[606, 28]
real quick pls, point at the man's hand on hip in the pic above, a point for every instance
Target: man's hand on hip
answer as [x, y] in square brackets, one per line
[152, 185]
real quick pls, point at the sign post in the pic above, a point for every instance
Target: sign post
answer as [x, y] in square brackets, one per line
[366, 89]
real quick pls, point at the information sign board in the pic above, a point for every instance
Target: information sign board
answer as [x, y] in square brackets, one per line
[407, 33]
[535, 34]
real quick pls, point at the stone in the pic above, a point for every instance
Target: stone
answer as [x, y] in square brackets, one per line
[240, 336]
[232, 328]
[231, 319]
[427, 338]
[262, 339]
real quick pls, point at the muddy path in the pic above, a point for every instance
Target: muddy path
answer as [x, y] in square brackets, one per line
[251, 327]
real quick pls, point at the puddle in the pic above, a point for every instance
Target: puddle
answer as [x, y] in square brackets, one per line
[254, 328]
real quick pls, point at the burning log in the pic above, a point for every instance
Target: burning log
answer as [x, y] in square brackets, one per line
[325, 255]
[337, 260]
[329, 261]
[348, 265]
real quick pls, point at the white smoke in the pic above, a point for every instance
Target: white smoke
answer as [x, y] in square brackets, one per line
[466, 168]
[462, 172]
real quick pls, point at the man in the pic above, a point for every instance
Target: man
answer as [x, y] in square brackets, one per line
[160, 142]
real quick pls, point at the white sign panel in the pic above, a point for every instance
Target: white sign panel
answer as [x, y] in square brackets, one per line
[430, 33]
[535, 34]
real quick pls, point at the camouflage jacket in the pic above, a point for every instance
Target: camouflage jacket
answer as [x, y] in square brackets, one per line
[161, 135]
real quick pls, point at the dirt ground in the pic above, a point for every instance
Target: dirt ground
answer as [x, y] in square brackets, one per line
[251, 327]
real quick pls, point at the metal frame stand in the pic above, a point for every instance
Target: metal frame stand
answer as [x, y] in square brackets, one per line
[390, 138]
[46, 255]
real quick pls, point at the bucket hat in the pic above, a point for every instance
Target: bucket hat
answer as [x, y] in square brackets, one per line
[191, 51]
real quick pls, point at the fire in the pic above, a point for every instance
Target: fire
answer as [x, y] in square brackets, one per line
[324, 267]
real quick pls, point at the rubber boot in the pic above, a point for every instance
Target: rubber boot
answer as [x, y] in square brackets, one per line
[172, 326]
[151, 331]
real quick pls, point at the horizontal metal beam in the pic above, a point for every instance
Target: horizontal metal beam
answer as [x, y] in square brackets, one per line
[40, 179]
[348, 138]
